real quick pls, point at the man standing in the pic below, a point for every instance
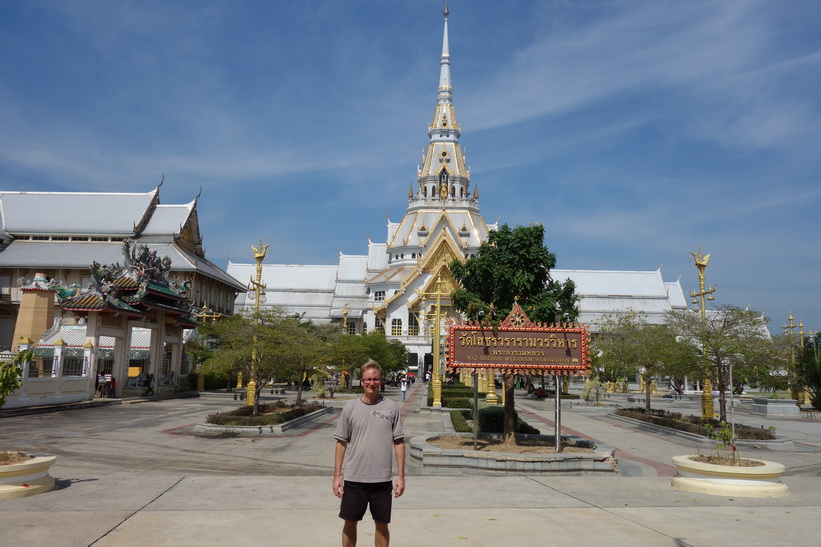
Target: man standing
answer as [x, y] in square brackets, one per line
[368, 432]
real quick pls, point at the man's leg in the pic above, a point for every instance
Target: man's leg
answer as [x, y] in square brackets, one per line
[349, 533]
[382, 538]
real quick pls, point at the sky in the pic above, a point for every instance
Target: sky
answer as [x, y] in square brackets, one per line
[635, 131]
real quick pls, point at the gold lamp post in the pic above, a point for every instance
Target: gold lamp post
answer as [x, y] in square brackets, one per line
[702, 296]
[258, 288]
[437, 326]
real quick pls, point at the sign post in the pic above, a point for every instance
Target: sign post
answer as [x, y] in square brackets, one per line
[519, 345]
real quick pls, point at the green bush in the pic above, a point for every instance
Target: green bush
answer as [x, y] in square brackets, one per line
[492, 419]
[693, 424]
[269, 414]
[459, 421]
[457, 402]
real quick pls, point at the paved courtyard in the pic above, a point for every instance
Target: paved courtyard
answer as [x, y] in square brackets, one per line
[134, 474]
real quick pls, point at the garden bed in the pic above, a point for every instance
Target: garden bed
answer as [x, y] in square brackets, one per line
[274, 413]
[693, 424]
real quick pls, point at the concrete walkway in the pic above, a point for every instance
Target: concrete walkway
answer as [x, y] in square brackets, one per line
[134, 475]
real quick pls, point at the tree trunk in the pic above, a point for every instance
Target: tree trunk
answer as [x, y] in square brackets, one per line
[509, 384]
[648, 390]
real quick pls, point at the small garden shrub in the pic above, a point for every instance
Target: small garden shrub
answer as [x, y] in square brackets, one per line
[269, 414]
[693, 424]
[459, 420]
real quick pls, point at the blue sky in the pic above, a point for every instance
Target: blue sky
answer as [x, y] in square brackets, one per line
[635, 131]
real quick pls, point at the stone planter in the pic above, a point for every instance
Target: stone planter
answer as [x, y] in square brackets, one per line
[774, 407]
[763, 481]
[436, 460]
[31, 477]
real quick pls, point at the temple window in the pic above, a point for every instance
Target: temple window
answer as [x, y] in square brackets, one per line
[396, 327]
[379, 296]
[378, 325]
[413, 325]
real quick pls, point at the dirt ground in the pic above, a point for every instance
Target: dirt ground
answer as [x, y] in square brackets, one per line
[495, 445]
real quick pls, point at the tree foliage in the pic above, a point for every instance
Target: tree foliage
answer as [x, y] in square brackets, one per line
[808, 368]
[273, 346]
[10, 379]
[737, 343]
[513, 265]
[352, 351]
[629, 344]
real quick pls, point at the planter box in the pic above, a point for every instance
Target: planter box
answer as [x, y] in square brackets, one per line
[31, 477]
[763, 481]
[774, 407]
[442, 461]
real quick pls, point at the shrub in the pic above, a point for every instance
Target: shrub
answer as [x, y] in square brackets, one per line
[693, 424]
[457, 402]
[492, 419]
[459, 421]
[269, 414]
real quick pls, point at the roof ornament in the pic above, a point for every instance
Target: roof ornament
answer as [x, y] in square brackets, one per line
[446, 12]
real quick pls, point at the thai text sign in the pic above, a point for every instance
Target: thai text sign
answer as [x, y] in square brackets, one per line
[557, 349]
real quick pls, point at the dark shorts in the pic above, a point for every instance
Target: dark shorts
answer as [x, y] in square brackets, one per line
[358, 495]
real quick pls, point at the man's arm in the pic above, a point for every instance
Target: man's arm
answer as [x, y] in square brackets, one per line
[339, 457]
[399, 448]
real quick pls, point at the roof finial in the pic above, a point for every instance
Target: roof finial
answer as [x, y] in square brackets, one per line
[446, 12]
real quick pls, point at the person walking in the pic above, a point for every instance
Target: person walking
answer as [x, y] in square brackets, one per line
[368, 434]
[404, 387]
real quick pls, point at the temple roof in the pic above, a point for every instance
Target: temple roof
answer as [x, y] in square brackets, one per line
[73, 213]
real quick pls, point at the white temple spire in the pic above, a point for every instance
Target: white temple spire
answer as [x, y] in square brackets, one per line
[444, 65]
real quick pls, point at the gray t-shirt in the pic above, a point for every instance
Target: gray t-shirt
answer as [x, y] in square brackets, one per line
[369, 430]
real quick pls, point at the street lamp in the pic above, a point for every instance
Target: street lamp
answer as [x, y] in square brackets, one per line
[258, 296]
[706, 388]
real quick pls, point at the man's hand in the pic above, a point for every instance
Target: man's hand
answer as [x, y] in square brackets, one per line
[399, 486]
[338, 487]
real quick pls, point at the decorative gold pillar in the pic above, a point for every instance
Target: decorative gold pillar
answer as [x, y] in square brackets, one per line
[702, 296]
[436, 374]
[491, 397]
[259, 288]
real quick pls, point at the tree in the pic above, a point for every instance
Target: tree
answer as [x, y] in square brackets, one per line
[352, 351]
[512, 265]
[737, 343]
[304, 349]
[630, 344]
[11, 373]
[808, 368]
[274, 345]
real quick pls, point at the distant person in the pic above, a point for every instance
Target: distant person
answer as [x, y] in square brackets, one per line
[112, 388]
[368, 433]
[403, 385]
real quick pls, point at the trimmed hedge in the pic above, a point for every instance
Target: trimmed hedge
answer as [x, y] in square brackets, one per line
[459, 421]
[492, 420]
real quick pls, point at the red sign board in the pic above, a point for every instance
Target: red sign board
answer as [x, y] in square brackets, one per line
[557, 349]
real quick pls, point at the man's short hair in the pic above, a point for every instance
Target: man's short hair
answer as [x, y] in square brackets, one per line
[371, 364]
